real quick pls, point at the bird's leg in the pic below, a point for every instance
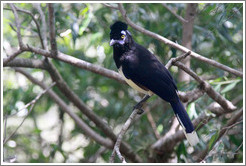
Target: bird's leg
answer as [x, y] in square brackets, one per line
[140, 104]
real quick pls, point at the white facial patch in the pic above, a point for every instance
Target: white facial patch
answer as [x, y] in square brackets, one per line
[123, 32]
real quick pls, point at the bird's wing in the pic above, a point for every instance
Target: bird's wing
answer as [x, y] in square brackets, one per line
[147, 71]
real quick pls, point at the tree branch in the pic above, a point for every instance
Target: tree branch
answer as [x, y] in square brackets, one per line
[124, 129]
[78, 63]
[231, 123]
[85, 128]
[166, 144]
[28, 63]
[181, 19]
[52, 29]
[31, 103]
[44, 26]
[110, 6]
[35, 21]
[177, 46]
[17, 23]
[11, 57]
[227, 105]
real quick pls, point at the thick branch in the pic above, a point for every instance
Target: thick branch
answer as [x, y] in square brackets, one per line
[52, 29]
[227, 105]
[28, 63]
[177, 46]
[85, 128]
[79, 63]
[166, 144]
[77, 102]
[11, 57]
[64, 88]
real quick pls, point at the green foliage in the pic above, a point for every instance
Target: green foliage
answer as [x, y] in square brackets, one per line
[82, 31]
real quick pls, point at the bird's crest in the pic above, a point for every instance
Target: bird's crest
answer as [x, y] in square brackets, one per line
[118, 26]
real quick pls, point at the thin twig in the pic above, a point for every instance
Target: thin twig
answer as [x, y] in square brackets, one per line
[153, 125]
[35, 21]
[173, 60]
[110, 6]
[100, 151]
[124, 129]
[32, 103]
[177, 46]
[166, 144]
[180, 18]
[17, 23]
[81, 124]
[230, 124]
[43, 25]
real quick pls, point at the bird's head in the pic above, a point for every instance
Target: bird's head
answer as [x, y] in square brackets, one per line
[119, 35]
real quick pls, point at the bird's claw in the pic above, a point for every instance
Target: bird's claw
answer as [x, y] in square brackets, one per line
[138, 107]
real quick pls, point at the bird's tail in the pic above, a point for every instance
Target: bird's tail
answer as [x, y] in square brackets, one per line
[185, 122]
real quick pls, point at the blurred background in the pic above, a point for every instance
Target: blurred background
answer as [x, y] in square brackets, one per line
[47, 134]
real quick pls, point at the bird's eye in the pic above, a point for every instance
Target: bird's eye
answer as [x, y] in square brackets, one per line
[122, 36]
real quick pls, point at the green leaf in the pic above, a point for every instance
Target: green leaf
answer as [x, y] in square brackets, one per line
[230, 86]
[213, 139]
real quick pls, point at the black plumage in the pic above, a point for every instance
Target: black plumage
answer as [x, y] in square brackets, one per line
[144, 72]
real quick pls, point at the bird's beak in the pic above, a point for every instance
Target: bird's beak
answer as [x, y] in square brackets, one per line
[112, 42]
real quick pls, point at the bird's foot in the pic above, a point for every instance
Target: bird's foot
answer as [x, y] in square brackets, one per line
[138, 106]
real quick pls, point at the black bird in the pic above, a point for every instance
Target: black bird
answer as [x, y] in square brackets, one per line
[145, 73]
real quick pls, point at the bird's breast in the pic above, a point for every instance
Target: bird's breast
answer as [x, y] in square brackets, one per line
[133, 85]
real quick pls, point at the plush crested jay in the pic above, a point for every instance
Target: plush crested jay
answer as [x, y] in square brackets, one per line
[145, 73]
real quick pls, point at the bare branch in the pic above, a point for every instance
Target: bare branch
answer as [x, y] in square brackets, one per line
[119, 139]
[85, 128]
[173, 60]
[180, 18]
[28, 63]
[11, 57]
[227, 105]
[190, 96]
[177, 46]
[79, 63]
[52, 29]
[124, 129]
[31, 103]
[110, 6]
[153, 125]
[44, 26]
[17, 23]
